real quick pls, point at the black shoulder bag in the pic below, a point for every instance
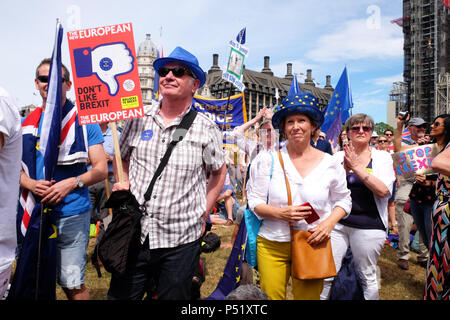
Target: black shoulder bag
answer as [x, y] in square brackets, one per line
[122, 237]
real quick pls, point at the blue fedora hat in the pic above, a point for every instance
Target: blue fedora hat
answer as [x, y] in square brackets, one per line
[302, 102]
[185, 57]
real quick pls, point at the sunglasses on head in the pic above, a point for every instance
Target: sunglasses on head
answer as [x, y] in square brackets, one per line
[357, 129]
[177, 72]
[44, 79]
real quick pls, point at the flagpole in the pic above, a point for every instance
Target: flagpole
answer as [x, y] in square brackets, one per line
[38, 263]
[43, 212]
[117, 156]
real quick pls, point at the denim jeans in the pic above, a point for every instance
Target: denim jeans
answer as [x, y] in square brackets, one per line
[422, 217]
[166, 273]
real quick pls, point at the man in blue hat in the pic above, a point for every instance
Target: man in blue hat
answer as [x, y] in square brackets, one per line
[171, 229]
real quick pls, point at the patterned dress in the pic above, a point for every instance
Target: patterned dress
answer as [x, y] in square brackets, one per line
[438, 271]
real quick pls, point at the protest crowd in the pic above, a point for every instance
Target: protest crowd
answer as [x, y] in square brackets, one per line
[283, 186]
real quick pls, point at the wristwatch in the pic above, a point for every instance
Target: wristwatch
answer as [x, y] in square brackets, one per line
[80, 183]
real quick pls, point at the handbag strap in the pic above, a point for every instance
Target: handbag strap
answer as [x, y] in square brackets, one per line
[178, 135]
[288, 188]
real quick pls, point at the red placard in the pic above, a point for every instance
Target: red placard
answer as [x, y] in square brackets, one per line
[105, 73]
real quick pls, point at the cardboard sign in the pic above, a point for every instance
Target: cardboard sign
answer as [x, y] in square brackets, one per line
[105, 74]
[415, 160]
[235, 65]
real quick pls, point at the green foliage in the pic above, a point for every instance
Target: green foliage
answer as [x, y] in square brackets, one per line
[380, 127]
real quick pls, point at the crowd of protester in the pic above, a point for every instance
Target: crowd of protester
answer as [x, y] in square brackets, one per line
[350, 183]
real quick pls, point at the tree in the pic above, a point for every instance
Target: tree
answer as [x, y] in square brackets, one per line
[380, 127]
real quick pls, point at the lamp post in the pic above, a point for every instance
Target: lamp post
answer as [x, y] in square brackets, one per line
[429, 55]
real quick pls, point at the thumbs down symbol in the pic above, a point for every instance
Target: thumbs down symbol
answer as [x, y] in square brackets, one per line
[106, 61]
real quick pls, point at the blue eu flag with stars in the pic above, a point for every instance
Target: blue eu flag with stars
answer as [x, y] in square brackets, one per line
[232, 272]
[338, 110]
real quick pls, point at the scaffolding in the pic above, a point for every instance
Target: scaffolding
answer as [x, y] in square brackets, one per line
[442, 94]
[426, 46]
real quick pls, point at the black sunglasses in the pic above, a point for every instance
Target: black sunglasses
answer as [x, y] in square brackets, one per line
[177, 72]
[44, 79]
[436, 124]
[382, 141]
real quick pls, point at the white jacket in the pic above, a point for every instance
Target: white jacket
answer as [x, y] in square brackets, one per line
[383, 169]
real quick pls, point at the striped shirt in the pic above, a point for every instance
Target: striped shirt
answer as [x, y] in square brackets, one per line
[178, 201]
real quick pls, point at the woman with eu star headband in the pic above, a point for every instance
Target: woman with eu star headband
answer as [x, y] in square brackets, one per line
[314, 177]
[370, 177]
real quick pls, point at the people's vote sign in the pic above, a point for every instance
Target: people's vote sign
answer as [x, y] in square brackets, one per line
[415, 160]
[105, 74]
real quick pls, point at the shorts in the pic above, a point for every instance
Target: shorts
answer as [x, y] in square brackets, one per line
[72, 242]
[4, 281]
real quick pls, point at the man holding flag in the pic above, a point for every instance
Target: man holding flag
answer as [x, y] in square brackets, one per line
[54, 195]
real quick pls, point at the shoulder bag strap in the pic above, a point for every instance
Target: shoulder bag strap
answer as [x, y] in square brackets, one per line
[288, 187]
[178, 135]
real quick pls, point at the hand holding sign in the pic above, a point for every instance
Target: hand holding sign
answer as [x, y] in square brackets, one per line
[107, 61]
[414, 161]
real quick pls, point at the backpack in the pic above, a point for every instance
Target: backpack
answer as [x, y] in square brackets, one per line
[210, 243]
[346, 285]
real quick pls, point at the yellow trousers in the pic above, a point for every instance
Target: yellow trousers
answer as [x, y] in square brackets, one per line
[274, 266]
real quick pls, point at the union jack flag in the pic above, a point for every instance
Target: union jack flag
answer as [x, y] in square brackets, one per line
[35, 274]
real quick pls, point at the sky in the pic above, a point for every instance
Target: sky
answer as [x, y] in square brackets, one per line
[324, 36]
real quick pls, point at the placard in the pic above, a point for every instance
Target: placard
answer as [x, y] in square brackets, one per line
[105, 74]
[235, 65]
[414, 160]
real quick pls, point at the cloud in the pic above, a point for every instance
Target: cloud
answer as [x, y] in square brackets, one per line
[383, 81]
[359, 39]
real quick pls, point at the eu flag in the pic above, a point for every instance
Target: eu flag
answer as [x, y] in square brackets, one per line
[35, 273]
[232, 272]
[155, 93]
[241, 36]
[338, 110]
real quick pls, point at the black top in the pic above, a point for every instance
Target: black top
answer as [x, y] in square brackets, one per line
[364, 214]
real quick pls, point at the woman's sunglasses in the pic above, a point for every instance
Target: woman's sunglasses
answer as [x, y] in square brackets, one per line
[364, 128]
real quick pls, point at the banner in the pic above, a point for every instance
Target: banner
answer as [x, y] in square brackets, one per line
[415, 160]
[106, 77]
[226, 117]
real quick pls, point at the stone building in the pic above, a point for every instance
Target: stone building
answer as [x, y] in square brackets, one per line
[146, 54]
[260, 87]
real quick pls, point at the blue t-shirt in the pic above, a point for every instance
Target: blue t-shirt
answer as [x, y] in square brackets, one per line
[78, 201]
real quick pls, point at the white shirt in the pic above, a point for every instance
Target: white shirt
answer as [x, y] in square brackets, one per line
[383, 169]
[10, 160]
[324, 188]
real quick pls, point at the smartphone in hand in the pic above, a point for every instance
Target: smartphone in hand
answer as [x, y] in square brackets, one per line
[313, 216]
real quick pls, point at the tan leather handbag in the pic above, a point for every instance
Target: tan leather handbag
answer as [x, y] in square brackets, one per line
[308, 261]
